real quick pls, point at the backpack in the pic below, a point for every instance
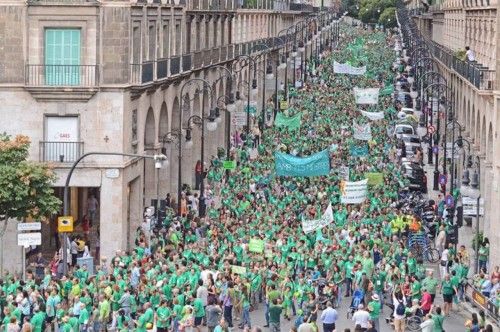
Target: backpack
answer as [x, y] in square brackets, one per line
[400, 309]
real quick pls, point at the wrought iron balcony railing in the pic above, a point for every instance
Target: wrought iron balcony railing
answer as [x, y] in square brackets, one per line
[63, 152]
[62, 75]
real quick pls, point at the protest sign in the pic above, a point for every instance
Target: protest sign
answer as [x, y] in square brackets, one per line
[344, 173]
[229, 164]
[309, 226]
[374, 178]
[353, 192]
[314, 165]
[238, 269]
[362, 132]
[366, 96]
[290, 123]
[345, 68]
[256, 245]
[374, 116]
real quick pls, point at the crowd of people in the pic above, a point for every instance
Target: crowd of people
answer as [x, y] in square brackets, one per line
[193, 272]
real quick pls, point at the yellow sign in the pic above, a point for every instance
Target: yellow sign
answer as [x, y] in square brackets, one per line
[283, 104]
[65, 224]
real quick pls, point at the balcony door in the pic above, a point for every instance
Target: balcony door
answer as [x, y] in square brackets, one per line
[62, 56]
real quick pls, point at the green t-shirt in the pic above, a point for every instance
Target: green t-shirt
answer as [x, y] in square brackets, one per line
[438, 323]
[37, 321]
[275, 313]
[447, 287]
[430, 285]
[163, 314]
[374, 307]
[199, 310]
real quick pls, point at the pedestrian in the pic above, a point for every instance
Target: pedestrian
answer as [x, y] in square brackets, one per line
[438, 320]
[275, 310]
[361, 317]
[198, 172]
[427, 324]
[329, 316]
[448, 290]
[469, 54]
[374, 310]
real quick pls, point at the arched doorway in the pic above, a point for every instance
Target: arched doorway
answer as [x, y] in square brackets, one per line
[149, 166]
[173, 148]
[163, 129]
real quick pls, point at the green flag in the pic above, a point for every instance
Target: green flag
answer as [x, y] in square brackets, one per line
[290, 123]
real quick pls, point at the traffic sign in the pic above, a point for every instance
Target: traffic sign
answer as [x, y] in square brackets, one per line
[435, 149]
[443, 179]
[29, 226]
[450, 202]
[65, 224]
[29, 239]
[470, 206]
[431, 129]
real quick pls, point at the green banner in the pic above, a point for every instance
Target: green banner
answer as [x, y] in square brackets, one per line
[387, 91]
[291, 123]
[374, 178]
[256, 245]
[238, 269]
[229, 164]
[314, 165]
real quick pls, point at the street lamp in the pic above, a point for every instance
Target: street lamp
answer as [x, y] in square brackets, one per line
[473, 191]
[157, 158]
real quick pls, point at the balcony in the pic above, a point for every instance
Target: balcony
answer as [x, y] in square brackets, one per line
[62, 152]
[59, 82]
[478, 75]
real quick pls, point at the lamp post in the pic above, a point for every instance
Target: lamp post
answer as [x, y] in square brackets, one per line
[474, 191]
[452, 171]
[205, 86]
[211, 126]
[288, 52]
[226, 104]
[157, 158]
[251, 88]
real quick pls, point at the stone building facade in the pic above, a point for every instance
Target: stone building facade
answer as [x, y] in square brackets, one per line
[81, 76]
[451, 25]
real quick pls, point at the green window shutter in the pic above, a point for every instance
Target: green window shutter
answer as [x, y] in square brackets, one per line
[62, 56]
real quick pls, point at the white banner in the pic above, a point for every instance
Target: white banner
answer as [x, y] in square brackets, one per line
[362, 132]
[345, 68]
[309, 226]
[353, 192]
[366, 96]
[374, 116]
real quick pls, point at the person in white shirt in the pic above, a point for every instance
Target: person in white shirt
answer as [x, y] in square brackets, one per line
[427, 325]
[361, 317]
[470, 54]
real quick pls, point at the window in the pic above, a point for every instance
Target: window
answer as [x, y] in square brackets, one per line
[62, 56]
[207, 34]
[136, 45]
[198, 33]
[178, 39]
[61, 139]
[166, 40]
[152, 42]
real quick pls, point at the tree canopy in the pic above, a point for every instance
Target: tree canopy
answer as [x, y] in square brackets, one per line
[25, 186]
[372, 11]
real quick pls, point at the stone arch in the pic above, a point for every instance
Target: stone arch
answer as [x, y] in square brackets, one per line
[163, 124]
[489, 145]
[150, 129]
[175, 115]
[482, 136]
[477, 134]
[173, 153]
[473, 124]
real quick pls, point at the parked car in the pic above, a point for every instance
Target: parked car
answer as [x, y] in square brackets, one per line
[412, 142]
[403, 129]
[416, 175]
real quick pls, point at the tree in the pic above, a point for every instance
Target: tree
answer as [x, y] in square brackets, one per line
[370, 11]
[388, 17]
[25, 186]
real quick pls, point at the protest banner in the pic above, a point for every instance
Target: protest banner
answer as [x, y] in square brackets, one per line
[359, 150]
[238, 269]
[353, 192]
[366, 96]
[374, 116]
[374, 178]
[362, 132]
[345, 68]
[314, 165]
[291, 123]
[309, 226]
[256, 245]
